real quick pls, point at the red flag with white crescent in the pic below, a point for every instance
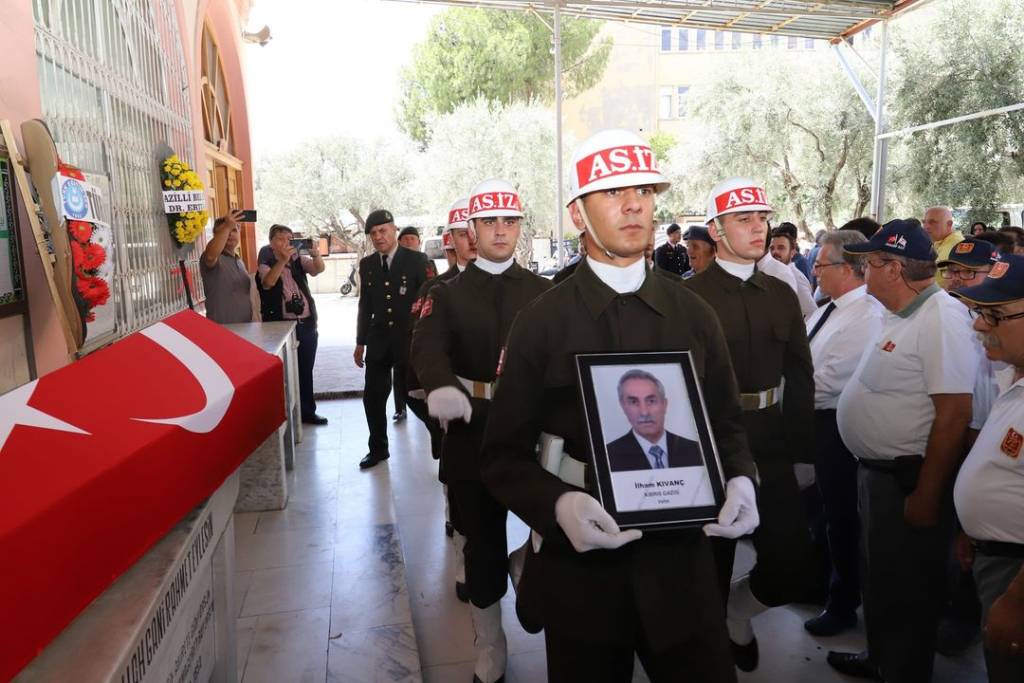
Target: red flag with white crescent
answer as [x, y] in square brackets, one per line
[101, 458]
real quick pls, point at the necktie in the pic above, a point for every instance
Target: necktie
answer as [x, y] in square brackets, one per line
[658, 454]
[384, 262]
[821, 321]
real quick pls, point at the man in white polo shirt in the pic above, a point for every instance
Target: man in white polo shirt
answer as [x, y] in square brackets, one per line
[989, 492]
[838, 334]
[904, 415]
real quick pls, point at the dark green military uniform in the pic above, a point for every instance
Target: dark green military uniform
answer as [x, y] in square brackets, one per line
[461, 333]
[768, 343]
[657, 596]
[385, 300]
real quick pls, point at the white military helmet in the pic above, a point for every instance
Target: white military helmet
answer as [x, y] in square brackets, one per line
[458, 216]
[612, 159]
[494, 198]
[736, 195]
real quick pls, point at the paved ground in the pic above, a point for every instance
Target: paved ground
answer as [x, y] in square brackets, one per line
[335, 374]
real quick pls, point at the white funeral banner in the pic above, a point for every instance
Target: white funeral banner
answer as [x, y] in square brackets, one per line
[184, 201]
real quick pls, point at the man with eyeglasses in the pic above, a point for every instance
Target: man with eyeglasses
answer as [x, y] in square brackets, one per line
[838, 334]
[904, 414]
[989, 491]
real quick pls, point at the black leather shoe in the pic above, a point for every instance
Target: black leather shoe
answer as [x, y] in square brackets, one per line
[955, 636]
[745, 657]
[476, 679]
[372, 459]
[461, 592]
[399, 416]
[854, 664]
[314, 419]
[449, 530]
[830, 623]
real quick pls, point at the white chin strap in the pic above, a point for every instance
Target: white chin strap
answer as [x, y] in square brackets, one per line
[725, 239]
[590, 230]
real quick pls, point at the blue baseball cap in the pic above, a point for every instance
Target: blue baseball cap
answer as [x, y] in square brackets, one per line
[970, 253]
[900, 237]
[1003, 284]
[699, 233]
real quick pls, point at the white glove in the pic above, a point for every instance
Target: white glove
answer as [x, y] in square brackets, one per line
[587, 524]
[449, 403]
[738, 516]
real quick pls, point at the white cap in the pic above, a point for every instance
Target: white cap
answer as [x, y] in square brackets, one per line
[458, 216]
[612, 159]
[736, 195]
[493, 198]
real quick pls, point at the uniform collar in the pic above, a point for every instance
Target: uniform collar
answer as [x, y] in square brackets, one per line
[854, 294]
[513, 271]
[731, 282]
[597, 296]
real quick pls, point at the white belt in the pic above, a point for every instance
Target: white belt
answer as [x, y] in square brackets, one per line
[553, 459]
[761, 399]
[484, 390]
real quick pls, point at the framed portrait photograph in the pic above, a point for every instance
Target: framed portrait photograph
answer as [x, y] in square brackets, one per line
[654, 456]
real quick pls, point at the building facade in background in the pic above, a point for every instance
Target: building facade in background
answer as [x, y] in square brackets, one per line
[118, 82]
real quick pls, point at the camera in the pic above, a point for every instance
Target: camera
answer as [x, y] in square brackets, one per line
[296, 305]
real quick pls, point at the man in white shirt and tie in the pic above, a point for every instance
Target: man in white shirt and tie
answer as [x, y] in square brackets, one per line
[838, 334]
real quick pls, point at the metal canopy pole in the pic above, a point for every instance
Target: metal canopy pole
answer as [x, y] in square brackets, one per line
[881, 153]
[851, 75]
[560, 251]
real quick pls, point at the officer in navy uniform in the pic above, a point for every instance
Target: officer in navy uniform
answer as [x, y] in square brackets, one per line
[389, 280]
[601, 594]
[671, 256]
[456, 351]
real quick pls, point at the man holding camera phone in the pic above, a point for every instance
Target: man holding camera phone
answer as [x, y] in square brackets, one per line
[284, 295]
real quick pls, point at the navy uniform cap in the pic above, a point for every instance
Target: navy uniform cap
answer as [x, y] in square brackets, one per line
[410, 230]
[699, 233]
[672, 228]
[378, 217]
[1004, 284]
[970, 253]
[900, 237]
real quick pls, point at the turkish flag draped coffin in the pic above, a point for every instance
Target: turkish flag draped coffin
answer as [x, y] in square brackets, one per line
[99, 460]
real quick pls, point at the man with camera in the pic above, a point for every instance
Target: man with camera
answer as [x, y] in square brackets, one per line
[284, 295]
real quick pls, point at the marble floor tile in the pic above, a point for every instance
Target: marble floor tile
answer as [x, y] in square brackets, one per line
[243, 580]
[245, 629]
[284, 548]
[444, 633]
[289, 647]
[368, 603]
[386, 654]
[288, 589]
[527, 667]
[245, 523]
[300, 514]
[369, 552]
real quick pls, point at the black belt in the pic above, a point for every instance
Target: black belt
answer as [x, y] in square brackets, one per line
[888, 466]
[904, 468]
[999, 548]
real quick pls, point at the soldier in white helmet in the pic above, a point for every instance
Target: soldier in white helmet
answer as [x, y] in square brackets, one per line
[456, 352]
[768, 344]
[601, 594]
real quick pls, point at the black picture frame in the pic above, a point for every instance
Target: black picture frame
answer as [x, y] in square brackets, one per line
[643, 497]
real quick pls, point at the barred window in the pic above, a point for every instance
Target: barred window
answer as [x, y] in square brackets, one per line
[114, 90]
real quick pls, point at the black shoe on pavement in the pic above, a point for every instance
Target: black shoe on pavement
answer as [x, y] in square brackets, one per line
[399, 415]
[449, 530]
[314, 419]
[830, 623]
[955, 636]
[461, 592]
[476, 679]
[372, 459]
[745, 656]
[854, 664]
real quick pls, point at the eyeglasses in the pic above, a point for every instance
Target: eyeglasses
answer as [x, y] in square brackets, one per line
[881, 263]
[963, 273]
[991, 319]
[820, 266]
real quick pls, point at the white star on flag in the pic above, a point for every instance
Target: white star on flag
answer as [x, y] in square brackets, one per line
[15, 410]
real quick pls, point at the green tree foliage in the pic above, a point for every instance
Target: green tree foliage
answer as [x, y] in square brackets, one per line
[499, 56]
[965, 58]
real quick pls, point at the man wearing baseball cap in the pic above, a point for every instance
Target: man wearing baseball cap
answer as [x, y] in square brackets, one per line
[604, 595]
[767, 340]
[968, 262]
[389, 280]
[904, 415]
[989, 491]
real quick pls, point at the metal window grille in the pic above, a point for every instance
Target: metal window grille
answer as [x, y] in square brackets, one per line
[114, 89]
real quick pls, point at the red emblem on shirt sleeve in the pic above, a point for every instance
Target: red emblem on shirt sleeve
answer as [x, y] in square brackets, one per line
[416, 306]
[1012, 443]
[428, 306]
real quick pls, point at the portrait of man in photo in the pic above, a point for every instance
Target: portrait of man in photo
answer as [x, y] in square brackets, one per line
[648, 445]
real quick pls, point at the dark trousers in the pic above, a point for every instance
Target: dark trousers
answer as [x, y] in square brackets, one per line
[785, 554]
[419, 408]
[306, 335]
[704, 658]
[376, 388]
[902, 575]
[994, 575]
[481, 519]
[398, 371]
[835, 471]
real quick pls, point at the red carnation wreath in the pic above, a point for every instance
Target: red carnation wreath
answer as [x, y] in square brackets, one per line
[80, 231]
[87, 258]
